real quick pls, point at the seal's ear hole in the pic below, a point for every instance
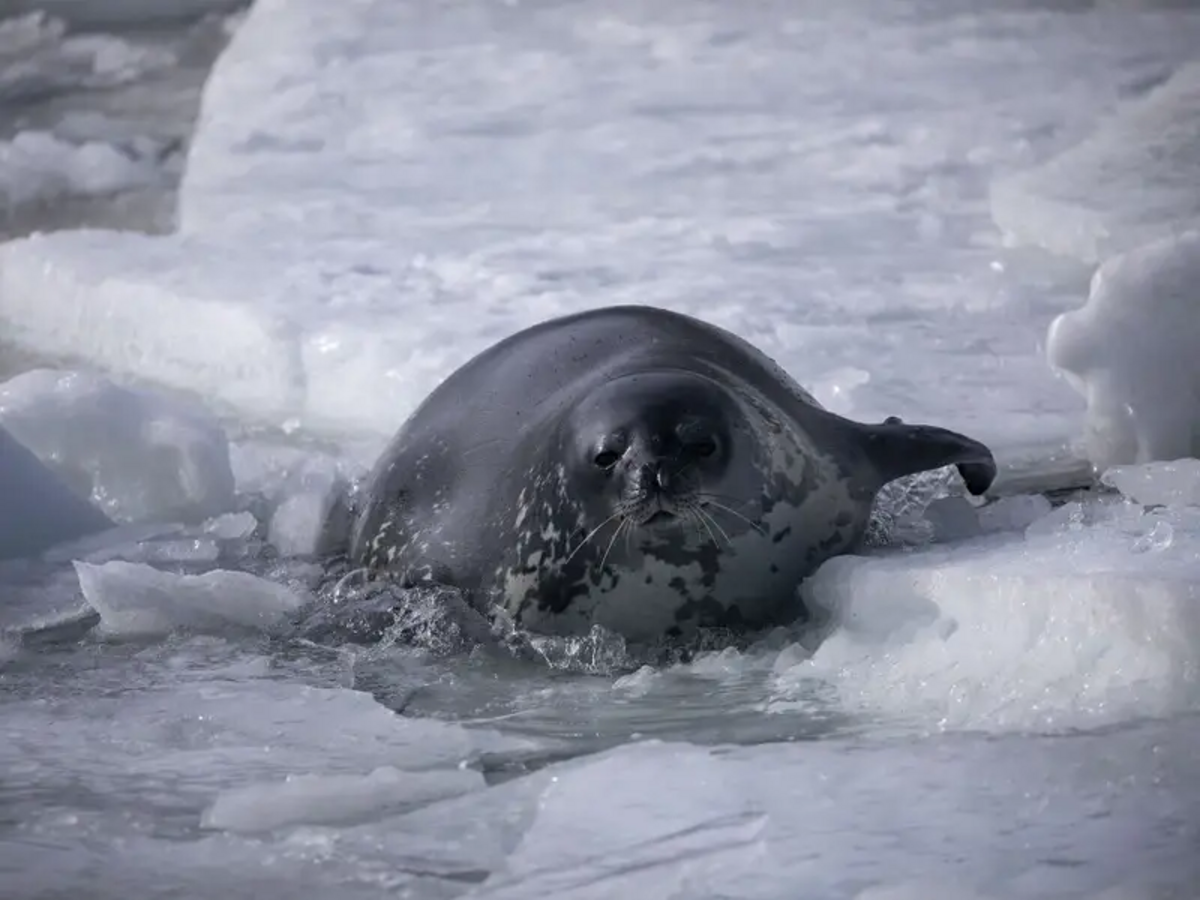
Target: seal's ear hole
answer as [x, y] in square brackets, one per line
[606, 459]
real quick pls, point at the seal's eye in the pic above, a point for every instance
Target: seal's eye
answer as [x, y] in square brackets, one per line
[606, 459]
[703, 448]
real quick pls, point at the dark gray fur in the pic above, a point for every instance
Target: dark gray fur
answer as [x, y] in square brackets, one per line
[495, 481]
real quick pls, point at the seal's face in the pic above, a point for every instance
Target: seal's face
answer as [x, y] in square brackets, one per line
[654, 454]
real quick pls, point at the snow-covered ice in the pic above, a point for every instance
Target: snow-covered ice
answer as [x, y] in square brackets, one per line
[1004, 700]
[39, 166]
[1131, 351]
[1063, 624]
[37, 55]
[1134, 180]
[109, 12]
[501, 174]
[94, 113]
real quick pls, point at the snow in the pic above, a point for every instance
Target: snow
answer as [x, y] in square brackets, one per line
[473, 172]
[1002, 702]
[1134, 180]
[39, 55]
[37, 166]
[1130, 351]
[93, 123]
[88, 13]
[137, 453]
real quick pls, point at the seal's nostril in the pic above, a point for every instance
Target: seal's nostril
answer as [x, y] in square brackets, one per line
[662, 478]
[606, 459]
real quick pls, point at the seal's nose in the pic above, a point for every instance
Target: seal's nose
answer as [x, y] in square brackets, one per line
[661, 478]
[655, 474]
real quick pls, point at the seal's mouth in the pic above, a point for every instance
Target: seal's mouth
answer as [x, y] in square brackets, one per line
[660, 516]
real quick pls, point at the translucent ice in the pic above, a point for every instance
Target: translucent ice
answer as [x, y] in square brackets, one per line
[711, 829]
[37, 510]
[312, 498]
[136, 599]
[922, 820]
[1174, 483]
[1131, 351]
[328, 799]
[139, 454]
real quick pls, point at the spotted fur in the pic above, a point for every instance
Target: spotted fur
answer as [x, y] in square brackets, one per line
[494, 484]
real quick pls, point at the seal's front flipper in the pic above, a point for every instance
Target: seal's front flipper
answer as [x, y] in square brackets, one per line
[896, 450]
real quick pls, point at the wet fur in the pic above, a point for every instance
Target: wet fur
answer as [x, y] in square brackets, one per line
[493, 483]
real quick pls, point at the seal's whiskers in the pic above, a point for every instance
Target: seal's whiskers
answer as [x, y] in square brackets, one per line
[621, 527]
[591, 534]
[696, 514]
[706, 500]
[709, 518]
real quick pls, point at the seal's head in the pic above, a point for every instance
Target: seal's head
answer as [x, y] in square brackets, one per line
[651, 451]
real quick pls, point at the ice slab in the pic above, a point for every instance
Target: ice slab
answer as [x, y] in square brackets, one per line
[1131, 351]
[1175, 483]
[1090, 615]
[37, 510]
[374, 194]
[137, 453]
[137, 599]
[1135, 179]
[330, 799]
[674, 820]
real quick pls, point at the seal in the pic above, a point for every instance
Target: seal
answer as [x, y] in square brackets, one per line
[633, 468]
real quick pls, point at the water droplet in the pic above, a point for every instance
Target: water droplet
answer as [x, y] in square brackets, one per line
[1157, 539]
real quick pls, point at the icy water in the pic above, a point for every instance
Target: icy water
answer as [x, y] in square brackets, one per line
[1010, 709]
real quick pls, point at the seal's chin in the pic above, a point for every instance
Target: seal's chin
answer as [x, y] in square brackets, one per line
[660, 517]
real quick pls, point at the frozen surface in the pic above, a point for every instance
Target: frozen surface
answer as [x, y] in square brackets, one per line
[334, 799]
[675, 820]
[1135, 179]
[38, 56]
[38, 510]
[1006, 705]
[39, 166]
[195, 719]
[1131, 352]
[137, 599]
[1092, 615]
[137, 453]
[1173, 483]
[471, 172]
[94, 13]
[95, 115]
